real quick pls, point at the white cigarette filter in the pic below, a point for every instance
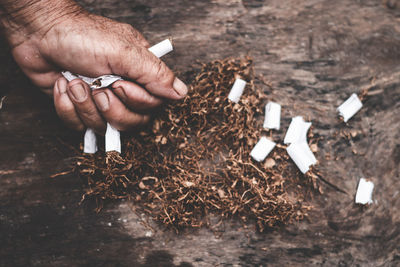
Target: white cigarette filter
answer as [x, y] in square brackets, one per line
[237, 90]
[113, 139]
[297, 131]
[89, 142]
[364, 192]
[350, 107]
[272, 116]
[162, 48]
[302, 156]
[262, 149]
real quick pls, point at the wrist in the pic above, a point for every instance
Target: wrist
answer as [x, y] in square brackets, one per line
[22, 19]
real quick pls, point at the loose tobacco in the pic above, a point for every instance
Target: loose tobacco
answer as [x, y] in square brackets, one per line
[195, 159]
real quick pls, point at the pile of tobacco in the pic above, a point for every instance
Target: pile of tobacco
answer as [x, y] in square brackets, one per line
[194, 160]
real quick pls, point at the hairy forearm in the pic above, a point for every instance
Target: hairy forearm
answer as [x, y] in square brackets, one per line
[19, 19]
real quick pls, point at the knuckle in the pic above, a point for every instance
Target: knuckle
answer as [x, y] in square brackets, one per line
[162, 73]
[88, 113]
[143, 97]
[126, 26]
[127, 29]
[133, 34]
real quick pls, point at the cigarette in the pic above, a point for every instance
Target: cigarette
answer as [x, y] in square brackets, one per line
[350, 107]
[237, 90]
[262, 149]
[364, 192]
[113, 139]
[89, 142]
[302, 156]
[297, 131]
[162, 48]
[272, 116]
[94, 83]
[2, 101]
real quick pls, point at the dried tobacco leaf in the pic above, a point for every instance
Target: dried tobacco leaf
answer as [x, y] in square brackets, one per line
[195, 159]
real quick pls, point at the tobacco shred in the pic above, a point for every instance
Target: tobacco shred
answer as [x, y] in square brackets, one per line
[194, 160]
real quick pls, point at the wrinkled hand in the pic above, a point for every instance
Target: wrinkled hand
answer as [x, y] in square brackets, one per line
[91, 45]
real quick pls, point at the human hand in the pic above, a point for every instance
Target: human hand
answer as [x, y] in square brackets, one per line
[92, 46]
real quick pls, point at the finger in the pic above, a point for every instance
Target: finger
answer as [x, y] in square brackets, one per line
[44, 80]
[115, 112]
[134, 96]
[64, 107]
[140, 65]
[81, 96]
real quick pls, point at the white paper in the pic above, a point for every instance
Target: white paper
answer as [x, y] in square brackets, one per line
[350, 107]
[297, 131]
[89, 142]
[162, 48]
[237, 90]
[272, 116]
[69, 76]
[302, 156]
[262, 149]
[94, 83]
[104, 81]
[113, 139]
[88, 80]
[364, 192]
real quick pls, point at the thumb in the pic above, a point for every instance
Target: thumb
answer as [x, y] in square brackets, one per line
[139, 64]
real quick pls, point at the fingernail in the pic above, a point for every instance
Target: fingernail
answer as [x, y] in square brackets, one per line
[61, 86]
[179, 87]
[102, 101]
[78, 92]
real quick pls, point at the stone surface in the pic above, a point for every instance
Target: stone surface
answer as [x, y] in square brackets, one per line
[314, 53]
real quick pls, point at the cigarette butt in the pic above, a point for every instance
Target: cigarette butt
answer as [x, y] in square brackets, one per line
[161, 48]
[297, 131]
[113, 139]
[364, 192]
[262, 149]
[237, 90]
[272, 116]
[350, 107]
[89, 142]
[302, 156]
[2, 101]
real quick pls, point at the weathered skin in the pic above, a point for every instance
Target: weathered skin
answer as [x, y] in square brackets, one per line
[47, 37]
[314, 53]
